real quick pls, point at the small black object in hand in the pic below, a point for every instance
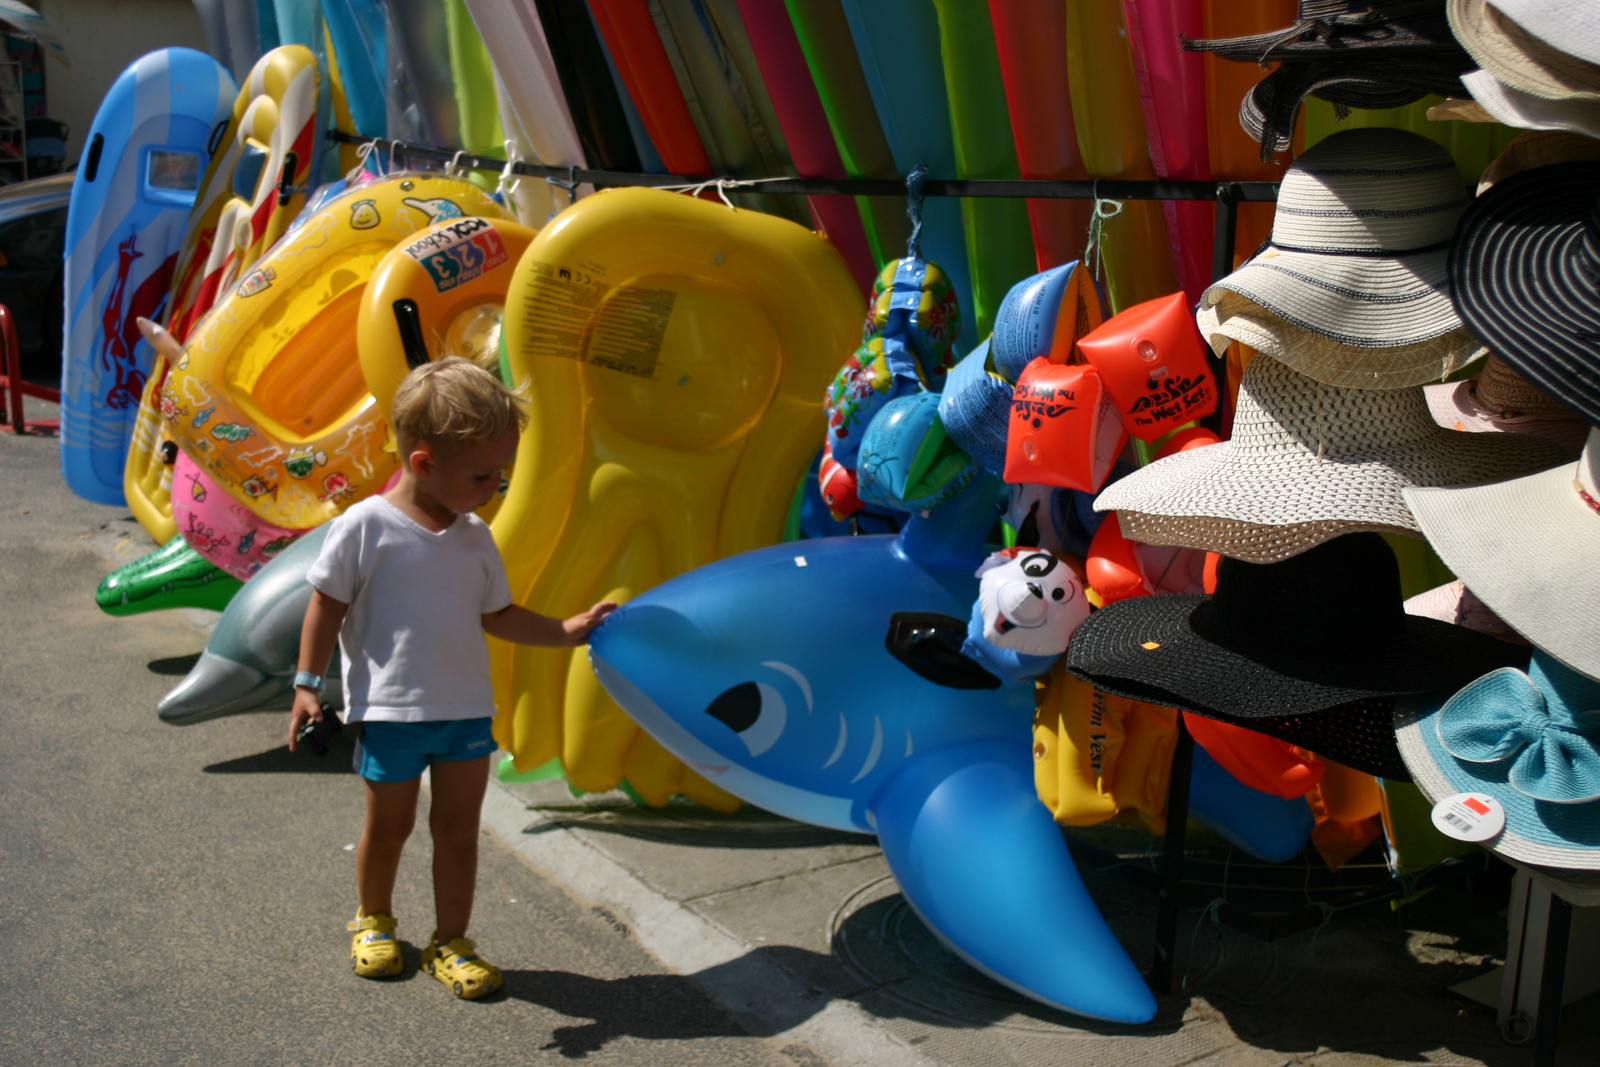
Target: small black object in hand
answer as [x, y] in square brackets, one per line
[317, 733]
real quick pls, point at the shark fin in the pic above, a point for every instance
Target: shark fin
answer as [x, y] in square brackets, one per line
[981, 862]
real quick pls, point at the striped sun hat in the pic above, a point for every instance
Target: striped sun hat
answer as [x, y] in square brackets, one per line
[1358, 244]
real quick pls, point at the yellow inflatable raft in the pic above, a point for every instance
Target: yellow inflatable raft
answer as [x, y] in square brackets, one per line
[269, 398]
[677, 352]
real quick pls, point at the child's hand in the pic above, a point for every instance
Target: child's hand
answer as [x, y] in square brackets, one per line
[580, 626]
[307, 708]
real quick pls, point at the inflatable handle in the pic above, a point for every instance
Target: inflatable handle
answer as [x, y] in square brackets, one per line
[1112, 565]
[982, 863]
[1185, 439]
[409, 322]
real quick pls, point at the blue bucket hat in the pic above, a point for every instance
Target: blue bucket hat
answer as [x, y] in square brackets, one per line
[1531, 741]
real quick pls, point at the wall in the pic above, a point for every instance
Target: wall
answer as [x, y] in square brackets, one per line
[101, 38]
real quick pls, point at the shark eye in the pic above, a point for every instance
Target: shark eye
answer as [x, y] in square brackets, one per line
[753, 710]
[1038, 564]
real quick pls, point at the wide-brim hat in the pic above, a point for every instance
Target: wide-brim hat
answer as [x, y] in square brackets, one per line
[1373, 54]
[1523, 267]
[1363, 221]
[1527, 548]
[1308, 462]
[1226, 316]
[1542, 47]
[1499, 400]
[1527, 740]
[1313, 632]
[1513, 107]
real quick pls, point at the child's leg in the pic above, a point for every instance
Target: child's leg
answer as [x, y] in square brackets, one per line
[391, 813]
[458, 787]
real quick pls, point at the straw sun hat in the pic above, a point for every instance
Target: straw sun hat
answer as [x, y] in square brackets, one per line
[1225, 316]
[1352, 53]
[1306, 463]
[1529, 740]
[1524, 266]
[1545, 48]
[1527, 548]
[1286, 639]
[1358, 242]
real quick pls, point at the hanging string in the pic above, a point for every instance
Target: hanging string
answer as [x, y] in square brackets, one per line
[722, 185]
[506, 187]
[364, 153]
[914, 181]
[1103, 209]
[570, 185]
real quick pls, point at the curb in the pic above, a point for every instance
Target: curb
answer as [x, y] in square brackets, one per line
[764, 997]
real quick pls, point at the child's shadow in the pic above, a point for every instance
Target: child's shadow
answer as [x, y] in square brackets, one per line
[655, 1007]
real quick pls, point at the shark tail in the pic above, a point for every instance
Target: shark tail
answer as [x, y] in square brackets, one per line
[981, 862]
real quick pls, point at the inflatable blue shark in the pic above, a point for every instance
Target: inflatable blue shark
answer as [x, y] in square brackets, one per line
[822, 680]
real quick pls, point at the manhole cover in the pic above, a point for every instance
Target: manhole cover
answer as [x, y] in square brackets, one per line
[688, 823]
[881, 941]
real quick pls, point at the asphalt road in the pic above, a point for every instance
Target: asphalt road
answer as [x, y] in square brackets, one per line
[178, 895]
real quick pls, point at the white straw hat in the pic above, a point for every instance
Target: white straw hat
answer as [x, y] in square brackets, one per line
[1306, 463]
[1548, 48]
[1225, 316]
[1527, 548]
[1512, 106]
[1358, 241]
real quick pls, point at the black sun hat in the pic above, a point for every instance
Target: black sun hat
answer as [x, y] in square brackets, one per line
[1525, 277]
[1351, 53]
[1315, 631]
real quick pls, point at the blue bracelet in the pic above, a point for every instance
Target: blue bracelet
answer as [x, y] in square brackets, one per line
[307, 680]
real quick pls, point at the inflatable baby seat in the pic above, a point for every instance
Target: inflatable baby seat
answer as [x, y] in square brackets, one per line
[270, 136]
[677, 351]
[268, 398]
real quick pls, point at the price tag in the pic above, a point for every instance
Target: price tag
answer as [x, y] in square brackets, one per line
[1470, 817]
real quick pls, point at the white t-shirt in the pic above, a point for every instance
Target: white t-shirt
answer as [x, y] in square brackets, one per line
[413, 641]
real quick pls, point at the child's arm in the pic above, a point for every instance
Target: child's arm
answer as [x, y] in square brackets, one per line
[518, 625]
[318, 634]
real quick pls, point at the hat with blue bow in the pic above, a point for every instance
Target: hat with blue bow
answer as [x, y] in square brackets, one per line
[1530, 740]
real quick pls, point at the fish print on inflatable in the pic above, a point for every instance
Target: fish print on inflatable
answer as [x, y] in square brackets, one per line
[130, 206]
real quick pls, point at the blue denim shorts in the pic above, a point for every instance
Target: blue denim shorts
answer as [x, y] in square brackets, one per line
[401, 751]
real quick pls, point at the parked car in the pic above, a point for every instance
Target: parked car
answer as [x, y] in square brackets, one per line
[33, 233]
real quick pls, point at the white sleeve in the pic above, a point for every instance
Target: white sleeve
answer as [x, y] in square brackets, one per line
[496, 589]
[337, 571]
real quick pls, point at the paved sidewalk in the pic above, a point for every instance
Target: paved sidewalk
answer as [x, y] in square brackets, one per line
[160, 887]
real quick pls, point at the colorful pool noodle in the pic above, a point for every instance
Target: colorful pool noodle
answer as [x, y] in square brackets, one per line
[1172, 90]
[999, 240]
[897, 42]
[830, 51]
[805, 128]
[630, 34]
[1030, 39]
[1111, 134]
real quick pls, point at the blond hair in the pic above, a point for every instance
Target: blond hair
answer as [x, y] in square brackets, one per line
[454, 402]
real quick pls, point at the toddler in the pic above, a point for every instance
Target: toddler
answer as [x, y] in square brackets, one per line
[408, 583]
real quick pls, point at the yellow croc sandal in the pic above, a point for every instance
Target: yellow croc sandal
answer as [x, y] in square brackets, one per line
[374, 952]
[460, 968]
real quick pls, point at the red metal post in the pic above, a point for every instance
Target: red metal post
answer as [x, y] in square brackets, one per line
[12, 384]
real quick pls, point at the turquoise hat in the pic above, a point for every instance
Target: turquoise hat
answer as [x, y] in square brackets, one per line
[1531, 741]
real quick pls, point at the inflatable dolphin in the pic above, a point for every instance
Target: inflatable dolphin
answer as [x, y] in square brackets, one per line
[822, 680]
[249, 663]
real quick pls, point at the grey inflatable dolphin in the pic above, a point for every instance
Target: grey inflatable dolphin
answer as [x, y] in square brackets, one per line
[249, 663]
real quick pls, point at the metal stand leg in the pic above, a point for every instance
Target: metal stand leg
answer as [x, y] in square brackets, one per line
[1172, 862]
[1551, 978]
[1221, 265]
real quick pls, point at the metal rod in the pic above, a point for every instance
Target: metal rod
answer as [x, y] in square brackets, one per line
[1171, 893]
[1552, 976]
[1105, 189]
